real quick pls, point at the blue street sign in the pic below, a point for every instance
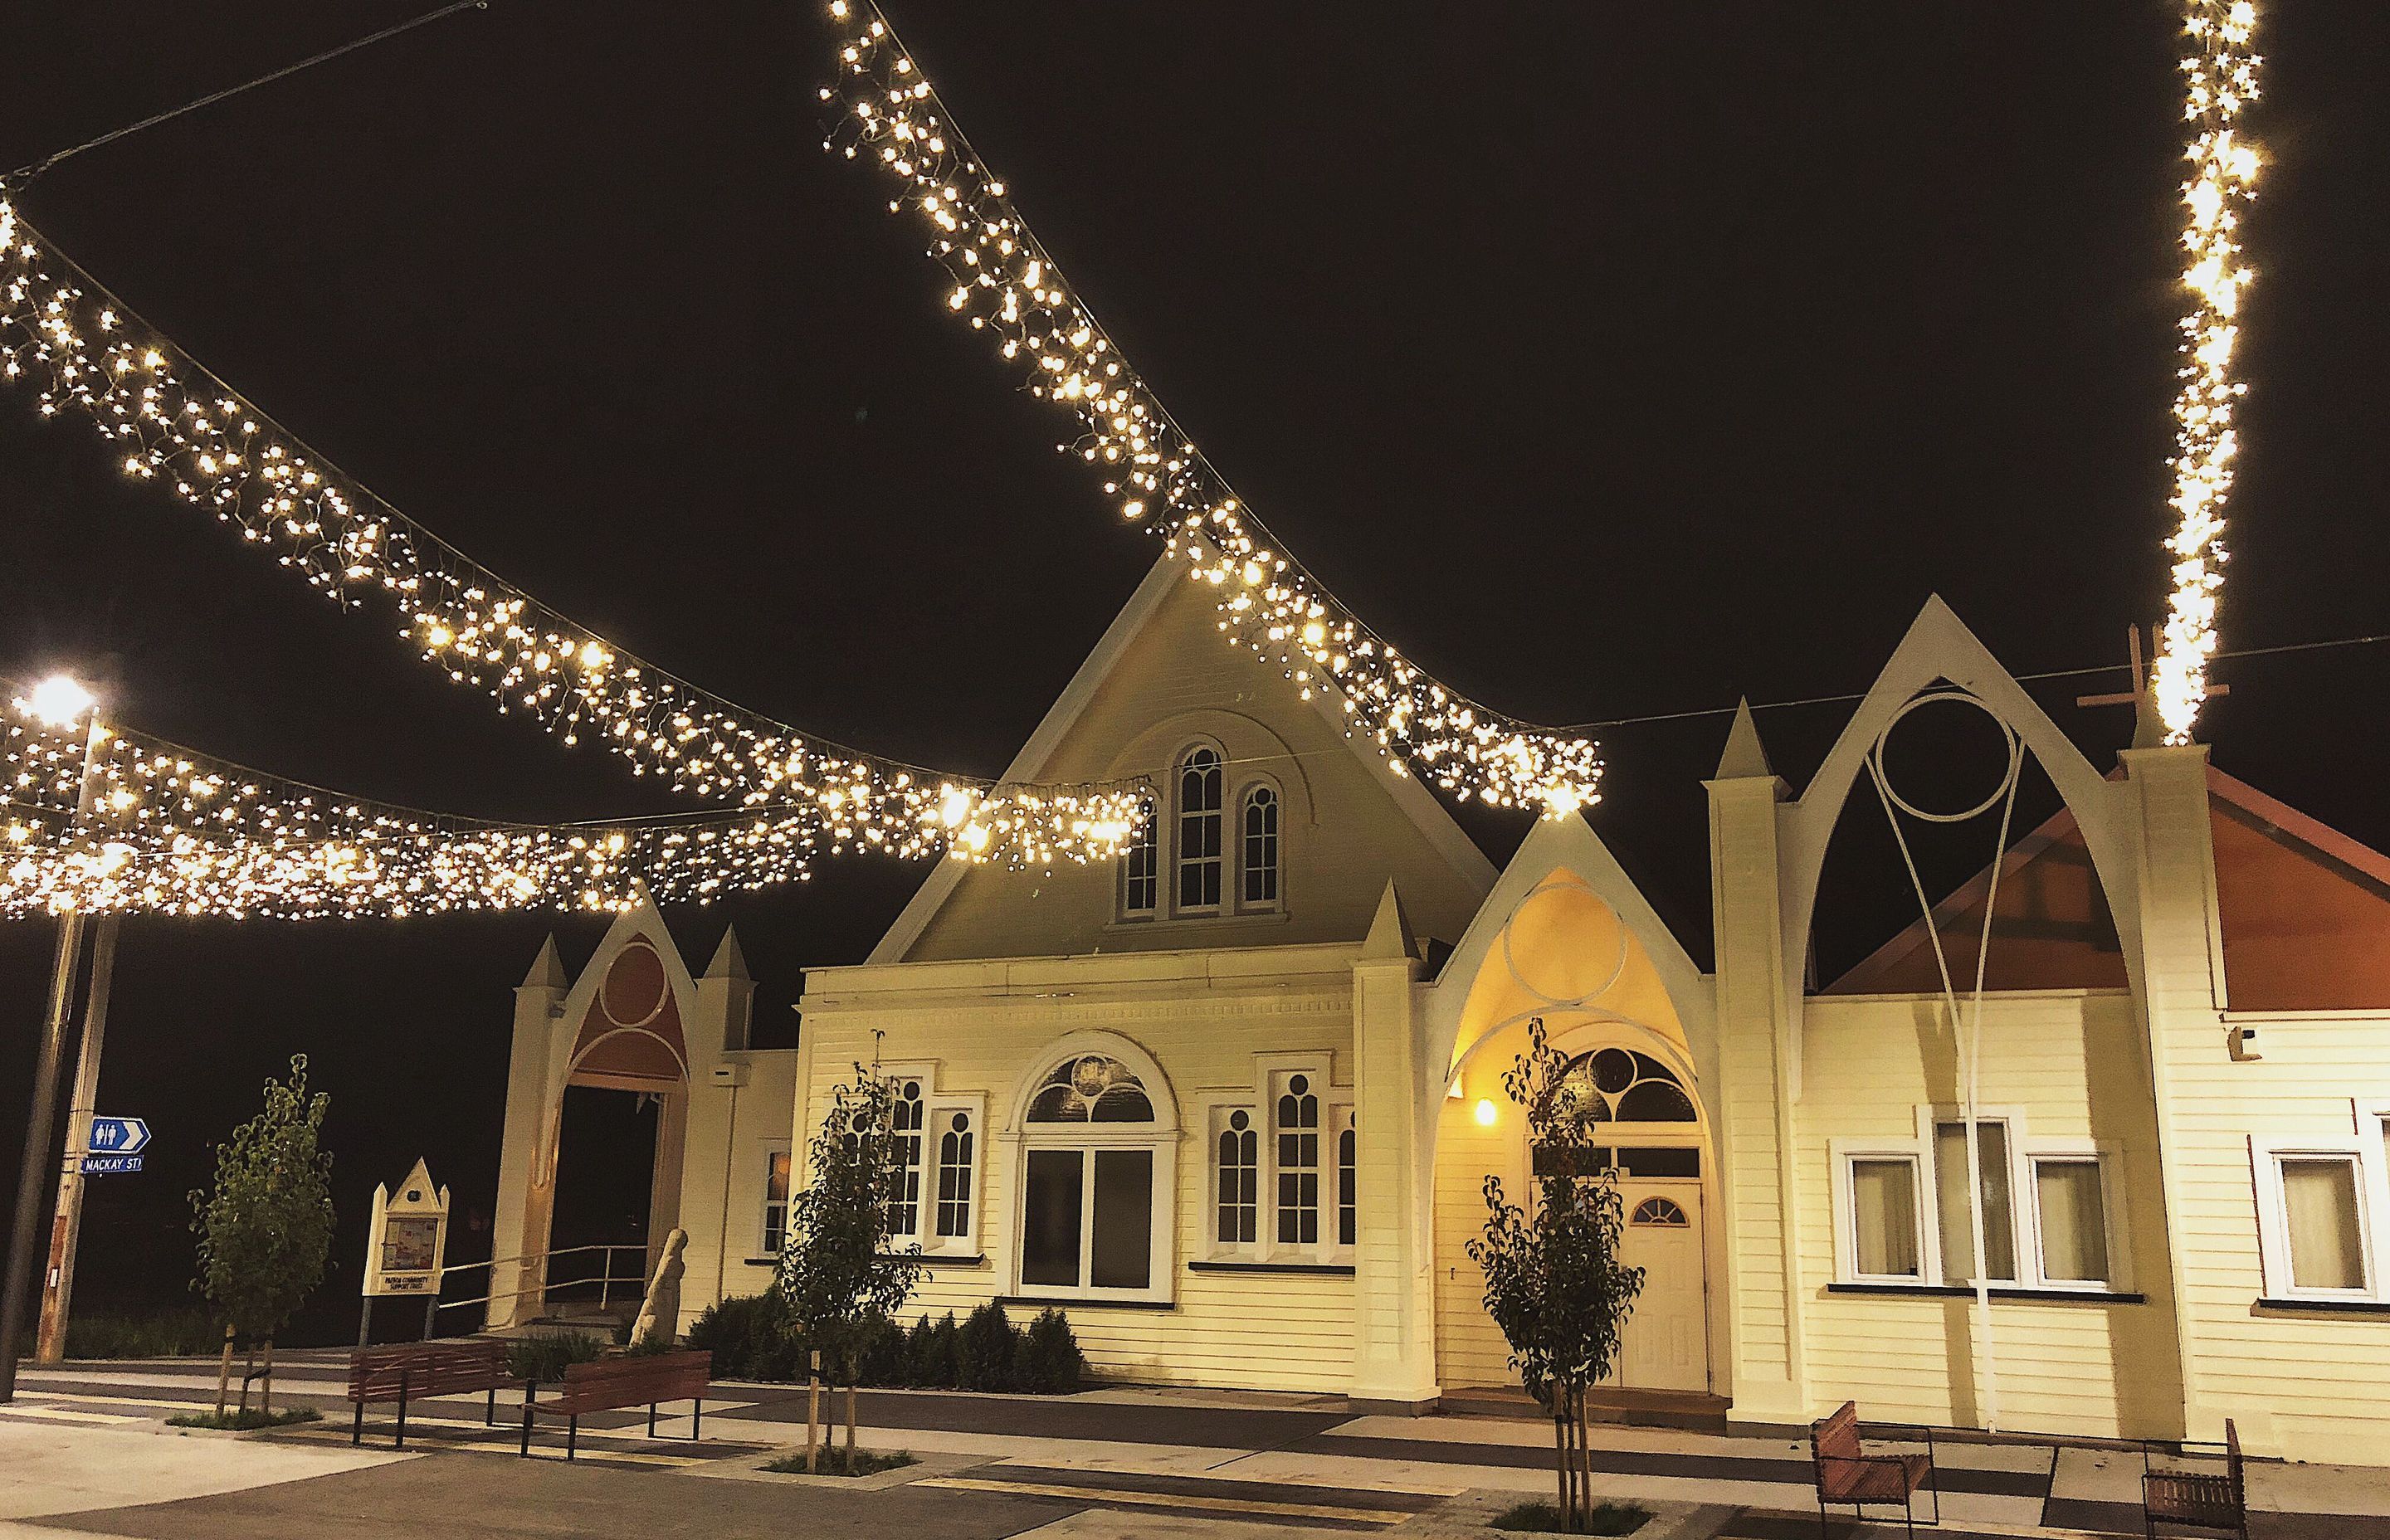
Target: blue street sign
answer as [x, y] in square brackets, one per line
[117, 1137]
[109, 1165]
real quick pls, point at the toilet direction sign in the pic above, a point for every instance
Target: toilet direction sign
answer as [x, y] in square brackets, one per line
[118, 1136]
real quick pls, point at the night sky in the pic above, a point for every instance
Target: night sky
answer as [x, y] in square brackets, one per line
[1612, 360]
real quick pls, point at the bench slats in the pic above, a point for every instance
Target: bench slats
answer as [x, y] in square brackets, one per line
[426, 1369]
[642, 1380]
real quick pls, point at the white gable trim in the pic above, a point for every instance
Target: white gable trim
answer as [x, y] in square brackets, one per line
[1443, 835]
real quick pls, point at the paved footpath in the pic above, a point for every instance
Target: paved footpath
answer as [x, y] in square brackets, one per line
[85, 1449]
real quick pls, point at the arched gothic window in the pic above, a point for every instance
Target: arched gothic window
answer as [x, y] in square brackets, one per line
[1257, 850]
[1298, 1163]
[1095, 1185]
[1240, 1165]
[1199, 830]
[955, 1169]
[905, 1119]
[1141, 866]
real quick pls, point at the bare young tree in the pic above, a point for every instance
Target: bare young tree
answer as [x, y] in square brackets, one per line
[1554, 1283]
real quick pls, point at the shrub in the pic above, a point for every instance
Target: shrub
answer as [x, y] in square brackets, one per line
[751, 1337]
[881, 1353]
[939, 1368]
[163, 1334]
[831, 1461]
[1050, 1360]
[985, 1349]
[247, 1418]
[921, 1370]
[547, 1357]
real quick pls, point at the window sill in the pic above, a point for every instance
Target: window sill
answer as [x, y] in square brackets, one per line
[2336, 1307]
[1194, 922]
[1316, 1269]
[1083, 1302]
[2008, 1292]
[762, 1261]
[952, 1259]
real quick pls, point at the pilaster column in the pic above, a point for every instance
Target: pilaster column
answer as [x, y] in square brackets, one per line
[1395, 1096]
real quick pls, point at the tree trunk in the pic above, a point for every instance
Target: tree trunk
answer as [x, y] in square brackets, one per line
[266, 1386]
[1583, 1460]
[223, 1373]
[1561, 1467]
[850, 1422]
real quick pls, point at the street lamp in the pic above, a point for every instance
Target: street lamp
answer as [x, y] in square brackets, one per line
[57, 702]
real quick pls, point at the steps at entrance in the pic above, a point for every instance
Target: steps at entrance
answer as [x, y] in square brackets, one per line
[1692, 1411]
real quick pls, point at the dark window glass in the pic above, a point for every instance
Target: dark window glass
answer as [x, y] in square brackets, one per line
[1259, 861]
[1298, 1165]
[1348, 1197]
[1124, 1240]
[1198, 830]
[1050, 1219]
[1143, 875]
[1655, 1101]
[954, 1178]
[1561, 1161]
[1239, 1195]
[1661, 1161]
[904, 1121]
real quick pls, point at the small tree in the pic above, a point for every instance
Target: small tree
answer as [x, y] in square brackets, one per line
[841, 1269]
[265, 1231]
[1553, 1280]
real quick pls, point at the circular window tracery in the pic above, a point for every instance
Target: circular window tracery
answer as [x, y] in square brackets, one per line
[1091, 1089]
[1621, 1086]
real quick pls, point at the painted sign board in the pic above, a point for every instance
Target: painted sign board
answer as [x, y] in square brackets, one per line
[118, 1136]
[407, 1237]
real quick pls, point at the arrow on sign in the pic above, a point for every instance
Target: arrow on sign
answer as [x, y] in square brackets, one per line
[118, 1136]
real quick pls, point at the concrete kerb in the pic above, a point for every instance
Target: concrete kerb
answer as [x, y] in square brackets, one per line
[1470, 1515]
[751, 1468]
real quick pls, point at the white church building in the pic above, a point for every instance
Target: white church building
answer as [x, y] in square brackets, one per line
[1231, 1103]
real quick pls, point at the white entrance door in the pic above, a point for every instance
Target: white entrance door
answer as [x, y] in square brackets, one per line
[1667, 1338]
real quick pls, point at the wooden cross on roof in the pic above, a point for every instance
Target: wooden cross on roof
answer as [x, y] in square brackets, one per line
[2148, 730]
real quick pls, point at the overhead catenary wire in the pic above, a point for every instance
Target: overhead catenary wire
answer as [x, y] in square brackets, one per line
[28, 172]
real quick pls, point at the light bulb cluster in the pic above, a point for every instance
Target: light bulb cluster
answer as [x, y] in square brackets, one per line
[167, 421]
[108, 820]
[2220, 79]
[1005, 283]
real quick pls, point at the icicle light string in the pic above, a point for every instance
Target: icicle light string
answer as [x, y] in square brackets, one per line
[1006, 282]
[168, 831]
[2219, 80]
[171, 422]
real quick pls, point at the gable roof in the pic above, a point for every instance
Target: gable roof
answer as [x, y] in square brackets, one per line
[1140, 615]
[2305, 912]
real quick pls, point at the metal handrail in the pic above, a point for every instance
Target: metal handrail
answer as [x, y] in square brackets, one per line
[606, 1279]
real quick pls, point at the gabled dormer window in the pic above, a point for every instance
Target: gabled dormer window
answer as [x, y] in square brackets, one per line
[1199, 864]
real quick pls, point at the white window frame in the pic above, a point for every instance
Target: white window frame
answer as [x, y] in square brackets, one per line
[2027, 1150]
[938, 1104]
[1844, 1153]
[780, 1149]
[1217, 1109]
[1271, 1070]
[1929, 1118]
[2363, 1146]
[1161, 1136]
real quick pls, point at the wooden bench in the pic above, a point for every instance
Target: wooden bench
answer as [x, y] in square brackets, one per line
[2196, 1499]
[630, 1380]
[405, 1370]
[1846, 1473]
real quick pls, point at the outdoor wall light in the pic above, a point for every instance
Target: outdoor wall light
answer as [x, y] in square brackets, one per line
[1486, 1112]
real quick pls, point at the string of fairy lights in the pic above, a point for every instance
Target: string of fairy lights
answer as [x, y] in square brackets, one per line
[94, 818]
[2220, 80]
[114, 820]
[171, 423]
[1006, 284]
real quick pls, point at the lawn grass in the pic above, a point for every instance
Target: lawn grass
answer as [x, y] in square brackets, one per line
[1545, 1518]
[832, 1462]
[245, 1418]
